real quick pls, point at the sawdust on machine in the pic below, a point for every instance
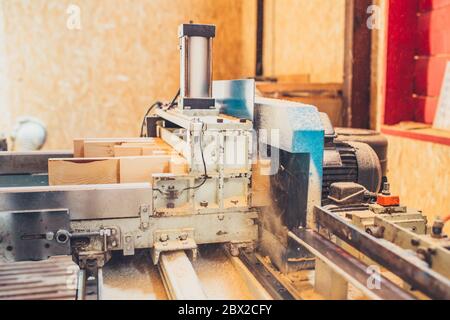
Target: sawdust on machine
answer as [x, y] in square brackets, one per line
[133, 278]
[218, 276]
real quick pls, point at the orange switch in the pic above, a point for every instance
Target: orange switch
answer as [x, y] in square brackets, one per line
[388, 201]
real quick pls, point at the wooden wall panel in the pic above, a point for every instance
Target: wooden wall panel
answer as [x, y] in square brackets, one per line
[305, 37]
[99, 81]
[418, 172]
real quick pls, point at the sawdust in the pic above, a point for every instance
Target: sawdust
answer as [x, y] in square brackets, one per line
[132, 278]
[220, 279]
[136, 278]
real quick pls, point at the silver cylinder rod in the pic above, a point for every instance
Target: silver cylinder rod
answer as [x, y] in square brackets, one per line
[196, 66]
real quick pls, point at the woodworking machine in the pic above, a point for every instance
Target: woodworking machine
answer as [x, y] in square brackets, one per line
[264, 176]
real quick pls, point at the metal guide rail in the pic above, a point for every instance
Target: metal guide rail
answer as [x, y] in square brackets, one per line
[405, 264]
[352, 269]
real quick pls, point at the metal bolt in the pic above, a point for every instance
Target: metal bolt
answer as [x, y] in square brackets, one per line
[221, 217]
[127, 238]
[437, 228]
[204, 204]
[183, 236]
[114, 243]
[62, 236]
[164, 237]
[49, 236]
[234, 251]
[386, 189]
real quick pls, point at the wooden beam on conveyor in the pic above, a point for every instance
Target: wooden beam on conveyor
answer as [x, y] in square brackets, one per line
[179, 277]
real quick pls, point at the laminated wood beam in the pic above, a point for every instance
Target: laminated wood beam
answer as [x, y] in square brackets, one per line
[127, 151]
[178, 165]
[128, 169]
[78, 171]
[101, 148]
[141, 169]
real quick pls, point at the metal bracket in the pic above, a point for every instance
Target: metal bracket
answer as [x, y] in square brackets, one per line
[173, 240]
[90, 286]
[236, 246]
[128, 244]
[144, 212]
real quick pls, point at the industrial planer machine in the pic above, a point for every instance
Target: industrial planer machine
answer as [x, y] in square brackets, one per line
[263, 177]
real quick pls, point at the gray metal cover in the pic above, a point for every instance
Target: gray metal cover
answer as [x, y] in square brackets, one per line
[23, 234]
[84, 202]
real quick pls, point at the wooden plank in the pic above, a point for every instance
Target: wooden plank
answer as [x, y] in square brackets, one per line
[294, 78]
[78, 148]
[274, 87]
[143, 149]
[158, 150]
[141, 169]
[78, 171]
[178, 165]
[157, 142]
[435, 136]
[332, 106]
[127, 151]
[99, 149]
[104, 148]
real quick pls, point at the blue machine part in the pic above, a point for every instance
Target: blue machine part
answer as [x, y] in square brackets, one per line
[235, 97]
[301, 143]
[299, 125]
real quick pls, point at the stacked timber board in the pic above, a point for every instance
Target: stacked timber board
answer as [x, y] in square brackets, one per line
[111, 161]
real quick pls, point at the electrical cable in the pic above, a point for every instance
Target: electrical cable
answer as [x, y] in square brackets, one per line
[173, 103]
[157, 104]
[205, 175]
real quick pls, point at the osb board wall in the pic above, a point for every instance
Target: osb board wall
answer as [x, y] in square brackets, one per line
[99, 81]
[305, 37]
[418, 172]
